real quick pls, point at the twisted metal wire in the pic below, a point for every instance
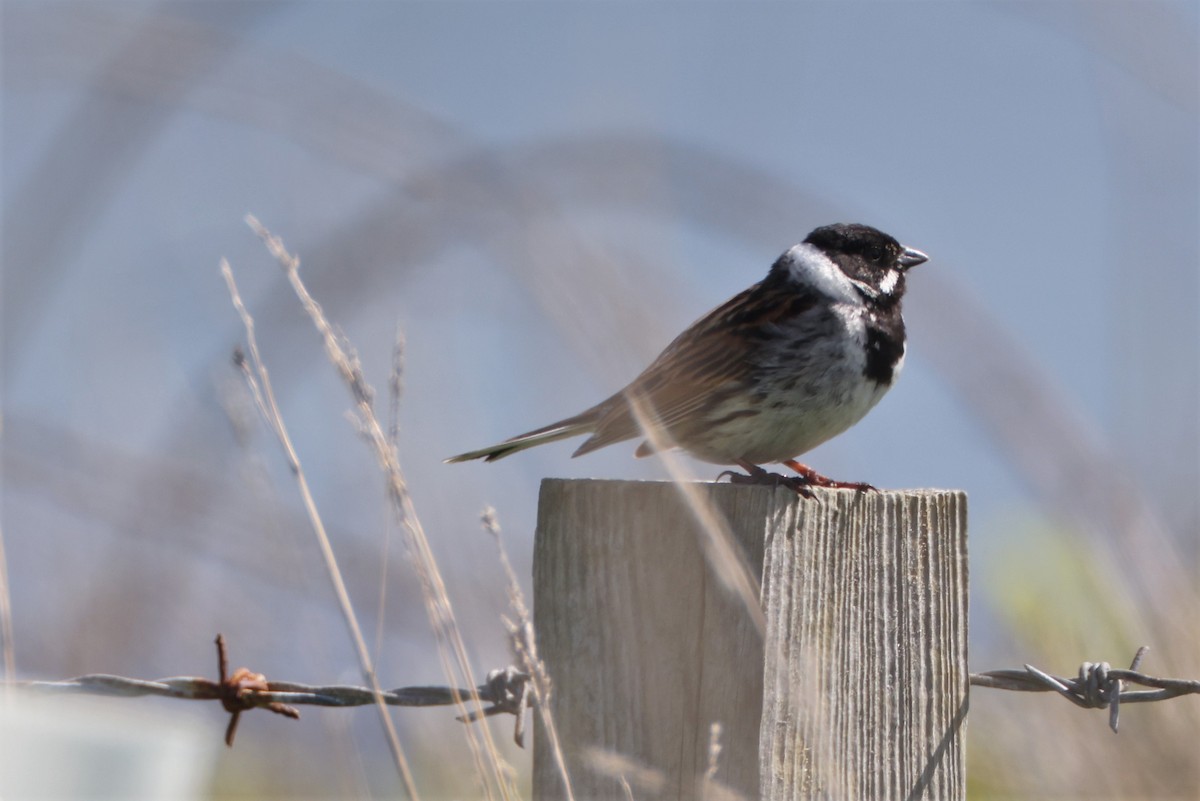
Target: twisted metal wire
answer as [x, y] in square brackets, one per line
[508, 690]
[503, 691]
[1097, 686]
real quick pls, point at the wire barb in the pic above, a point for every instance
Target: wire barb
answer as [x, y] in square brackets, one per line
[237, 692]
[507, 690]
[1097, 686]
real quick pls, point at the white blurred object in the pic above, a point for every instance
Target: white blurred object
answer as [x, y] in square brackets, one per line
[72, 747]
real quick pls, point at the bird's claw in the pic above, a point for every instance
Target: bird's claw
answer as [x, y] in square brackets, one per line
[815, 479]
[796, 484]
[801, 483]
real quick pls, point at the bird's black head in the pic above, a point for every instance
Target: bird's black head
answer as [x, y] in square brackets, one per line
[873, 261]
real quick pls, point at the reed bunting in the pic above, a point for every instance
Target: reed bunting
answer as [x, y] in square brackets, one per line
[792, 361]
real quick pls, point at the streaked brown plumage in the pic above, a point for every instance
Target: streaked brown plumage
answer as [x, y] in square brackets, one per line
[773, 372]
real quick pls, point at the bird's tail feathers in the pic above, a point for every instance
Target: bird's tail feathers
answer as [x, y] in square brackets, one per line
[570, 427]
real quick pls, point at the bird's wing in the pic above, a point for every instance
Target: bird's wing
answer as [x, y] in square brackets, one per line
[707, 364]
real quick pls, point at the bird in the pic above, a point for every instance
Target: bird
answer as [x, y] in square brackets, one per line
[770, 374]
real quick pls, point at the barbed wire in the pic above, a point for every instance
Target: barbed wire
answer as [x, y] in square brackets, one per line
[509, 690]
[1097, 686]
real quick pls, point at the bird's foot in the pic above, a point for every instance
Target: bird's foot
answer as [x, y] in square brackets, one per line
[815, 479]
[801, 483]
[759, 476]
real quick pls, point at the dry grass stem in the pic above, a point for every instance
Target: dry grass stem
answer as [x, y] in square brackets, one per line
[637, 777]
[6, 628]
[721, 551]
[525, 644]
[628, 771]
[395, 391]
[257, 378]
[451, 648]
[714, 751]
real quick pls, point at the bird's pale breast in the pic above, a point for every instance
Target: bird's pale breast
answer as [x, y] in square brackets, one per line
[812, 385]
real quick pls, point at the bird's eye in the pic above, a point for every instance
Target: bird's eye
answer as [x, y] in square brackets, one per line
[874, 252]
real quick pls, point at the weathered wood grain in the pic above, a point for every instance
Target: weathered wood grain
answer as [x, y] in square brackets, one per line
[865, 605]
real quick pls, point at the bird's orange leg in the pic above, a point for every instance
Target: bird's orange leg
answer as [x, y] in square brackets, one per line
[815, 479]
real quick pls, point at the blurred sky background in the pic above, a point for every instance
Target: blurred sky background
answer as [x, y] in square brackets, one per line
[541, 195]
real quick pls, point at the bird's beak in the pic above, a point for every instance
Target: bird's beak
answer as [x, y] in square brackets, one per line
[911, 258]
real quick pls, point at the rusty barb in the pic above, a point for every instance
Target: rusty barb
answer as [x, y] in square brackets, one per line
[239, 692]
[243, 690]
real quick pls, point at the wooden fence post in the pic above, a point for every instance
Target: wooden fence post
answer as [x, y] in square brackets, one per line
[863, 658]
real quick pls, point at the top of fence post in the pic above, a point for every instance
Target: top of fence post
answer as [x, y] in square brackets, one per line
[863, 655]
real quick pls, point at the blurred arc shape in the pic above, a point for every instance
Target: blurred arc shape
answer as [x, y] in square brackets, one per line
[496, 196]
